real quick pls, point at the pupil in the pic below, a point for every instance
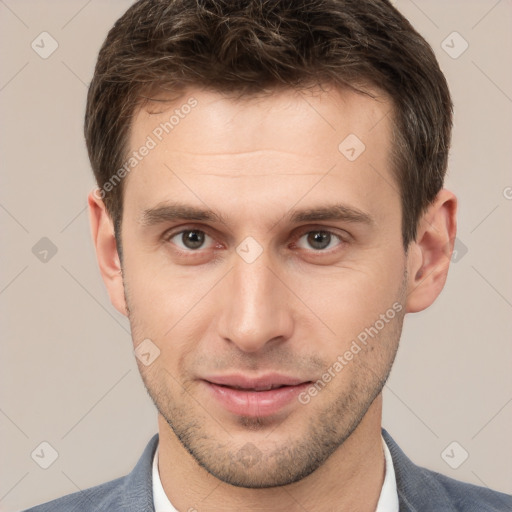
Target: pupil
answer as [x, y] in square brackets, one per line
[193, 239]
[319, 239]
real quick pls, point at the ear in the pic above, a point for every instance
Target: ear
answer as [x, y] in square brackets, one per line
[428, 257]
[106, 250]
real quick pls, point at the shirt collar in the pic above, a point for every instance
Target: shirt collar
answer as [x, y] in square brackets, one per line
[388, 499]
[160, 500]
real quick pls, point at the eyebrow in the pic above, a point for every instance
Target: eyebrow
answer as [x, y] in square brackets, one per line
[169, 212]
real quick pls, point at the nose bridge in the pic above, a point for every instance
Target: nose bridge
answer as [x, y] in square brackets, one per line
[256, 308]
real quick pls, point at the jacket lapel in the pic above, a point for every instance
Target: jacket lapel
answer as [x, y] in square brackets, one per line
[137, 487]
[418, 490]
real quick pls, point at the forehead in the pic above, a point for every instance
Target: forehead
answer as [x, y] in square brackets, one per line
[262, 149]
[281, 119]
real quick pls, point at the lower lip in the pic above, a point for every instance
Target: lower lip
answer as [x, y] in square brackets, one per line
[255, 403]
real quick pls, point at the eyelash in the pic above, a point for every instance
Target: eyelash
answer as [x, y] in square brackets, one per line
[168, 236]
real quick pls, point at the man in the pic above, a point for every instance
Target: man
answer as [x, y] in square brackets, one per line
[270, 206]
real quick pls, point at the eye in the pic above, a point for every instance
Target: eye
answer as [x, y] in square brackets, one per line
[320, 240]
[189, 239]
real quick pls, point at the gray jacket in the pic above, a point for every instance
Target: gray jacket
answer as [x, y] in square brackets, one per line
[419, 490]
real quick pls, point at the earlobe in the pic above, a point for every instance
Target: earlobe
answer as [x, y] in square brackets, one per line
[429, 255]
[103, 236]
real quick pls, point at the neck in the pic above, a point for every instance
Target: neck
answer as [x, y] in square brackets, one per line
[350, 480]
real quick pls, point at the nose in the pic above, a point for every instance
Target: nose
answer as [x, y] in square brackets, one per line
[256, 309]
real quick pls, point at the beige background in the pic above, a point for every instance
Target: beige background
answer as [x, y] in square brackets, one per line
[68, 373]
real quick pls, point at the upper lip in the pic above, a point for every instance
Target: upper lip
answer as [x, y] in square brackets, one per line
[261, 383]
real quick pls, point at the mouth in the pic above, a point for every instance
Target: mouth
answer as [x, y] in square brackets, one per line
[255, 397]
[255, 388]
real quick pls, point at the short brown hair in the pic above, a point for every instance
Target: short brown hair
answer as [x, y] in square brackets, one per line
[247, 46]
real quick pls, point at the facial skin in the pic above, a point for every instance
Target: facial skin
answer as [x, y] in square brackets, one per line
[291, 311]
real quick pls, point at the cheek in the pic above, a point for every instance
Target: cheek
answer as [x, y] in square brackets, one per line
[169, 308]
[347, 300]
[161, 295]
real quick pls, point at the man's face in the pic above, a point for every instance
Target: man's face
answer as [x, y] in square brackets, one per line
[266, 292]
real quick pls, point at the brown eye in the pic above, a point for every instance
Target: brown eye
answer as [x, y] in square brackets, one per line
[192, 239]
[319, 240]
[189, 239]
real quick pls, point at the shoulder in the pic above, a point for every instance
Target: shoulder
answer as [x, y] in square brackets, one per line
[420, 489]
[468, 497]
[131, 493]
[100, 497]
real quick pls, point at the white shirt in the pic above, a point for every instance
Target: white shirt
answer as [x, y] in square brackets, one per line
[388, 500]
[160, 500]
